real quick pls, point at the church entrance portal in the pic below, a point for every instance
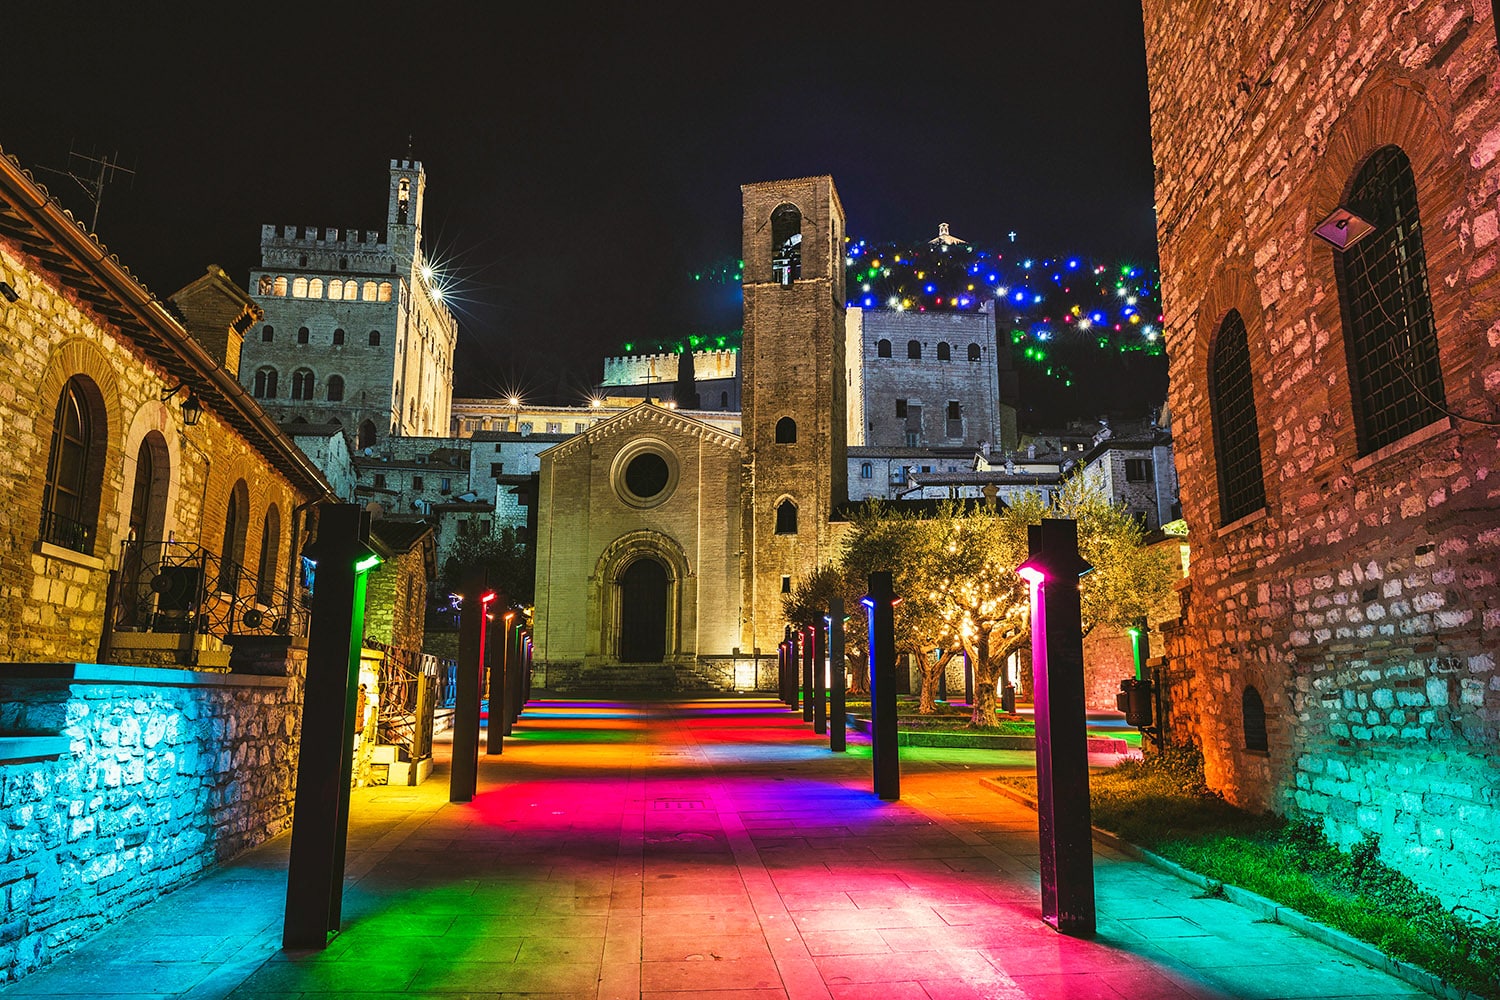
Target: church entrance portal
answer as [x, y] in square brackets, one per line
[643, 612]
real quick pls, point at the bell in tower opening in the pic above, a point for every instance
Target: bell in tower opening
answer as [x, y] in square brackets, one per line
[786, 244]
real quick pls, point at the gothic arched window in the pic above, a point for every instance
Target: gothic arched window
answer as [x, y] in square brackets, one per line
[1390, 337]
[1231, 402]
[335, 388]
[75, 468]
[302, 384]
[786, 244]
[786, 431]
[914, 350]
[265, 383]
[786, 518]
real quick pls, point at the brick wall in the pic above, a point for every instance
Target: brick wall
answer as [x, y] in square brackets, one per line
[1361, 602]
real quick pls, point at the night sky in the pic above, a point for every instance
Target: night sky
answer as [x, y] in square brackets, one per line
[583, 161]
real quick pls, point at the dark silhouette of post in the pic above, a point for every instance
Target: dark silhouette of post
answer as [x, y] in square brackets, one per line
[515, 673]
[808, 644]
[880, 603]
[1062, 764]
[837, 718]
[968, 681]
[320, 825]
[463, 775]
[942, 691]
[793, 669]
[495, 726]
[820, 679]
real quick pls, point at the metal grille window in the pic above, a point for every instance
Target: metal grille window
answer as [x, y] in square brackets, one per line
[1231, 400]
[72, 474]
[1390, 337]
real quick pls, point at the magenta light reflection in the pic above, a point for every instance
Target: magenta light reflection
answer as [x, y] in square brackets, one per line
[1032, 575]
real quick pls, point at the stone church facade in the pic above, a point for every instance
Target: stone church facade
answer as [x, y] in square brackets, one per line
[1334, 400]
[686, 535]
[355, 331]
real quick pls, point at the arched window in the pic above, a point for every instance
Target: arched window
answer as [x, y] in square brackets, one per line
[351, 290]
[374, 338]
[267, 334]
[335, 388]
[882, 348]
[370, 291]
[385, 291]
[270, 545]
[403, 201]
[786, 431]
[366, 435]
[973, 352]
[1253, 711]
[278, 287]
[338, 335]
[302, 384]
[786, 244]
[266, 285]
[75, 468]
[315, 288]
[336, 288]
[302, 335]
[786, 518]
[945, 353]
[1231, 401]
[914, 350]
[1390, 338]
[232, 553]
[265, 383]
[299, 288]
[866, 470]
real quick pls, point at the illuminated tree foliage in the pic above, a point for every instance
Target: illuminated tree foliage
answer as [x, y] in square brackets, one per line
[955, 573]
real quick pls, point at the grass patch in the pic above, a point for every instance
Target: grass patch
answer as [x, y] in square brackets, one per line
[944, 718]
[1163, 804]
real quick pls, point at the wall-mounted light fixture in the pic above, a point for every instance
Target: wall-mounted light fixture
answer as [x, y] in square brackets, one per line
[1343, 228]
[11, 295]
[192, 410]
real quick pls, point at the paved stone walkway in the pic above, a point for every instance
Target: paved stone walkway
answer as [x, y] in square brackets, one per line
[711, 849]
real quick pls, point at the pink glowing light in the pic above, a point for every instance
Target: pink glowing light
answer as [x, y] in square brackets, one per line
[1031, 574]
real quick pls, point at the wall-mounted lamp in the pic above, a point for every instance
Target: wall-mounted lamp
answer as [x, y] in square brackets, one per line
[192, 410]
[1343, 228]
[11, 295]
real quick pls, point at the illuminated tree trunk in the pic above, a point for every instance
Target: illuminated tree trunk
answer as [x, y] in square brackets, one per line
[930, 670]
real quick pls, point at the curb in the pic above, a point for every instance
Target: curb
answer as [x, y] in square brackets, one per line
[979, 741]
[1267, 909]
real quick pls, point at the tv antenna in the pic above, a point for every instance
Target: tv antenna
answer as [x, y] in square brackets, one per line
[92, 173]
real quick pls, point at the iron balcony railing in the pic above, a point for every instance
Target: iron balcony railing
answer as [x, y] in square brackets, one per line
[183, 588]
[59, 529]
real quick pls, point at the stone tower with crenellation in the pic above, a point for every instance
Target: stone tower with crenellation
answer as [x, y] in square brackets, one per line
[356, 331]
[793, 391]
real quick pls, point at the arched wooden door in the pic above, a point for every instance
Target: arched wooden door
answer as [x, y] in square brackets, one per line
[643, 612]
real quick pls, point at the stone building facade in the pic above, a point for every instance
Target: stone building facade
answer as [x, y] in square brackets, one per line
[355, 330]
[716, 378]
[1333, 399]
[133, 457]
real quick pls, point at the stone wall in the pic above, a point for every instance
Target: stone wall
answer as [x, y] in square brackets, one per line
[1361, 602]
[166, 772]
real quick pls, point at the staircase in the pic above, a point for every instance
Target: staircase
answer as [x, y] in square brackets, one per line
[642, 681]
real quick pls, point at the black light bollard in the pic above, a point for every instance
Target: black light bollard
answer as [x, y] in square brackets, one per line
[880, 603]
[1062, 764]
[968, 680]
[463, 775]
[808, 651]
[942, 691]
[820, 680]
[498, 725]
[516, 673]
[793, 669]
[320, 825]
[837, 718]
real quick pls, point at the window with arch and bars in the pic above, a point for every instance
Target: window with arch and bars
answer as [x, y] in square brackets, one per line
[265, 383]
[944, 352]
[786, 518]
[302, 383]
[1231, 402]
[1389, 334]
[882, 348]
[786, 431]
[70, 496]
[335, 388]
[914, 350]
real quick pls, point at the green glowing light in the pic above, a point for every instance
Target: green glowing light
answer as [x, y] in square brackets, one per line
[366, 564]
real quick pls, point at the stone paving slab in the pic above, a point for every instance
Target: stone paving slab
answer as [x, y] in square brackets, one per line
[704, 850]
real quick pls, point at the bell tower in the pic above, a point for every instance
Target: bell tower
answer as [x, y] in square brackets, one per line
[403, 219]
[793, 391]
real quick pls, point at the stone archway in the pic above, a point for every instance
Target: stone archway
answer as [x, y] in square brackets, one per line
[619, 599]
